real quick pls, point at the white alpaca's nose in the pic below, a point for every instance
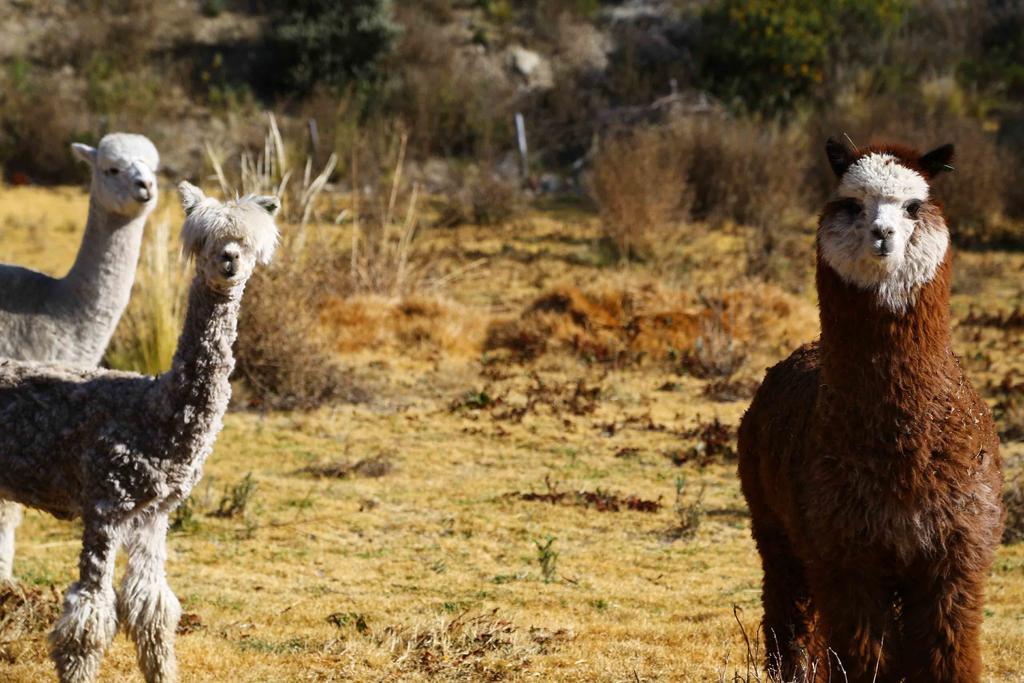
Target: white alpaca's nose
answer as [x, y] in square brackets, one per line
[229, 261]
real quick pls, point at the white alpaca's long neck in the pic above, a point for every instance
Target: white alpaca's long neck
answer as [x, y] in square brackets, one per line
[96, 290]
[194, 393]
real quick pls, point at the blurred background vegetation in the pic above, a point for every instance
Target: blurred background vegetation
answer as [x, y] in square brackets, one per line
[734, 96]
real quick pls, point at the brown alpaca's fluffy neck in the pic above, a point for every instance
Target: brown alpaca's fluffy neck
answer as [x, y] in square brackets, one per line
[880, 363]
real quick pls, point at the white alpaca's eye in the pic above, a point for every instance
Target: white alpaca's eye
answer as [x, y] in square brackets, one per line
[912, 207]
[113, 171]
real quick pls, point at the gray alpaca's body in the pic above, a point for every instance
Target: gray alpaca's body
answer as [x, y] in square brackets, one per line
[72, 319]
[121, 450]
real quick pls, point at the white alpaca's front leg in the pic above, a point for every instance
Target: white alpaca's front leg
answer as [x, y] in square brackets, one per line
[89, 620]
[10, 518]
[147, 606]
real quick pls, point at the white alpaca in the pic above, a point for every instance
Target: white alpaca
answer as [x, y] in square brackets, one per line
[121, 451]
[71, 319]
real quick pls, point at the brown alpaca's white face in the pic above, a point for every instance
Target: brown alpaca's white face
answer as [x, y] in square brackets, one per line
[881, 232]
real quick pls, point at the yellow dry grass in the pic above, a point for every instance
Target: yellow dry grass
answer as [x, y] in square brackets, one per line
[431, 571]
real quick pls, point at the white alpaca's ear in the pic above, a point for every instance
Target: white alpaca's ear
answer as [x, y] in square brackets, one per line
[191, 196]
[84, 152]
[270, 203]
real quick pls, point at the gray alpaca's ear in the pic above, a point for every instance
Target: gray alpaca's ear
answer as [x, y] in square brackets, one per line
[191, 196]
[839, 156]
[937, 160]
[84, 152]
[270, 203]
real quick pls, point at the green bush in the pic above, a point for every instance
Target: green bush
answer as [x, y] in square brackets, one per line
[767, 55]
[333, 43]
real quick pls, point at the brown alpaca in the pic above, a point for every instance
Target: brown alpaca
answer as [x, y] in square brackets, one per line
[870, 465]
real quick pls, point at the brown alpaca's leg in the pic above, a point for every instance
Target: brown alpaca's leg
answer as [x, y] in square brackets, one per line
[854, 610]
[785, 599]
[941, 622]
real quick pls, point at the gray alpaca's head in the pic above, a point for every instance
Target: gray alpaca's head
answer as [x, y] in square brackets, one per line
[123, 172]
[227, 239]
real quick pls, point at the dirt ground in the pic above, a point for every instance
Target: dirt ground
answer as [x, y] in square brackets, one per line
[568, 514]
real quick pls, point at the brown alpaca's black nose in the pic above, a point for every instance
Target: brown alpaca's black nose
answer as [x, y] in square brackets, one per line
[882, 233]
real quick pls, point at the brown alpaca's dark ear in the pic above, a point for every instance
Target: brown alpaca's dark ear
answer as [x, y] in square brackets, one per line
[839, 156]
[936, 161]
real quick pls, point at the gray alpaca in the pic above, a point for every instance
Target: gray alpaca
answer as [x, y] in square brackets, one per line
[121, 450]
[71, 319]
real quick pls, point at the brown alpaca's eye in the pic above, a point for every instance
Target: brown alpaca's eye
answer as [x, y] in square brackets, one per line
[850, 206]
[912, 207]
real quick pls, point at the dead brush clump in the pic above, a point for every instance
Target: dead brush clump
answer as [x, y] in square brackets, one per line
[541, 396]
[586, 325]
[1013, 501]
[25, 611]
[689, 512]
[599, 500]
[481, 197]
[728, 390]
[749, 173]
[282, 356]
[480, 647]
[1008, 409]
[372, 467]
[711, 336]
[1009, 321]
[714, 443]
[716, 354]
[416, 323]
[640, 186]
[741, 171]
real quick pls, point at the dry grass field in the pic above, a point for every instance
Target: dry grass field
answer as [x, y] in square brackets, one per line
[534, 488]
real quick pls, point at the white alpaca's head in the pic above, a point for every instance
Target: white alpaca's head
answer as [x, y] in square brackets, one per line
[227, 239]
[881, 231]
[124, 169]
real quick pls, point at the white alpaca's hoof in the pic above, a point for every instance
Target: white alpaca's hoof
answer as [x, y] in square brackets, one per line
[150, 614]
[81, 634]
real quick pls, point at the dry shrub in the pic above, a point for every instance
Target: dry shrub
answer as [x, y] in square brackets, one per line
[1013, 501]
[599, 499]
[372, 467]
[415, 323]
[24, 611]
[740, 170]
[624, 326]
[481, 197]
[716, 354]
[37, 124]
[590, 326]
[639, 183]
[455, 102]
[281, 355]
[482, 647]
